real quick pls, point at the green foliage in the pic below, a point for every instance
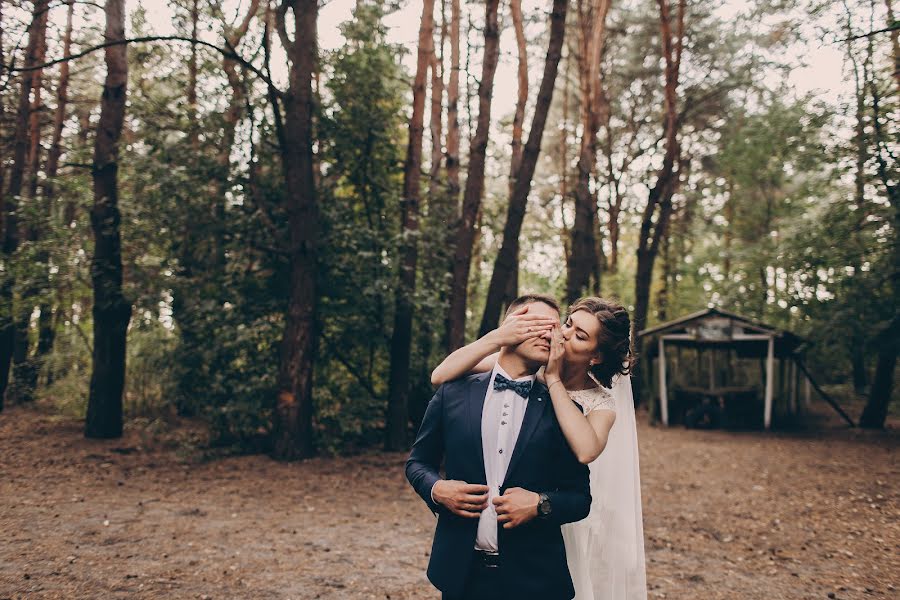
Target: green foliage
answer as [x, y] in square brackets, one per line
[362, 128]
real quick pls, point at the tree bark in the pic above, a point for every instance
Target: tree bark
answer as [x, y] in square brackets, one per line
[583, 261]
[515, 7]
[46, 321]
[436, 126]
[886, 341]
[398, 382]
[9, 211]
[193, 131]
[111, 311]
[59, 117]
[506, 257]
[564, 162]
[24, 368]
[453, 106]
[292, 423]
[659, 200]
[512, 285]
[895, 44]
[4, 343]
[465, 235]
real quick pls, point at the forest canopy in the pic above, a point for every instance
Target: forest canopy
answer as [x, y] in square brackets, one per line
[278, 217]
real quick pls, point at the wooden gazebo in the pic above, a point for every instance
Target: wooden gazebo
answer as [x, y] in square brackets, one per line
[712, 331]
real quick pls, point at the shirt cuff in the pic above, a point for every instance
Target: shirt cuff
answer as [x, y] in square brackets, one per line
[432, 492]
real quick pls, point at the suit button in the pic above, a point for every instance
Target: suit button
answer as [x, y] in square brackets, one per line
[501, 450]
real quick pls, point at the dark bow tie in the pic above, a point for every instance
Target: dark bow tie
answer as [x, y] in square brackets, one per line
[522, 388]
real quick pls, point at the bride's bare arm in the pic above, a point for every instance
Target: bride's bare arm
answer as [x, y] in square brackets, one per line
[587, 436]
[481, 355]
[477, 357]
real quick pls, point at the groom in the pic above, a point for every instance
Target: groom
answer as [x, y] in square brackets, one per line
[511, 479]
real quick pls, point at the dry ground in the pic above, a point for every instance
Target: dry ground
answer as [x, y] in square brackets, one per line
[727, 515]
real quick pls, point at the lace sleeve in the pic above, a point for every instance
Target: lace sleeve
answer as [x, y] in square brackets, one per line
[598, 399]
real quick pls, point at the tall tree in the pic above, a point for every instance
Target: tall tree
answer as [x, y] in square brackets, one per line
[46, 324]
[518, 201]
[515, 8]
[24, 365]
[465, 233]
[658, 208]
[887, 339]
[193, 124]
[453, 186]
[9, 212]
[292, 419]
[398, 401]
[583, 261]
[111, 310]
[435, 125]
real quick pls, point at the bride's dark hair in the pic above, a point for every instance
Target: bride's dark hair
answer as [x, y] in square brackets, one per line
[614, 339]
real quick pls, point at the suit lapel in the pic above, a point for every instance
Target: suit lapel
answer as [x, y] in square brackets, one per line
[537, 404]
[475, 404]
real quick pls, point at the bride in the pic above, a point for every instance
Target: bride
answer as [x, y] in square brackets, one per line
[590, 361]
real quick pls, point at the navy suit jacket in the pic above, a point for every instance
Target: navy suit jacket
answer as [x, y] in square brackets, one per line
[532, 556]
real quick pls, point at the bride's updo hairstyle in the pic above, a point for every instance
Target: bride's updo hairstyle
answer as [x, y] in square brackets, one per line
[614, 339]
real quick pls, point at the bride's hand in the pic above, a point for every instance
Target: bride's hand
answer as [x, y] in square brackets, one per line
[557, 351]
[521, 326]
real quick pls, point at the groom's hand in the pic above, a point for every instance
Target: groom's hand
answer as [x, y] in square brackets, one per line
[463, 499]
[516, 506]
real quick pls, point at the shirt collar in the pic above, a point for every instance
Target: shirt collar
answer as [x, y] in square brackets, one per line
[499, 369]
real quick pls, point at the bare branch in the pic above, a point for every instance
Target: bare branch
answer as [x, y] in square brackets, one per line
[226, 52]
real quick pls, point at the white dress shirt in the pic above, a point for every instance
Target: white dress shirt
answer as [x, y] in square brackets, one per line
[501, 420]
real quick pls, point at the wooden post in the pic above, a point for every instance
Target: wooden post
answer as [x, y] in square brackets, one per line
[770, 373]
[663, 395]
[712, 368]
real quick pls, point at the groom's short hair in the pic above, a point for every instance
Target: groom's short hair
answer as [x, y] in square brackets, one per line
[529, 298]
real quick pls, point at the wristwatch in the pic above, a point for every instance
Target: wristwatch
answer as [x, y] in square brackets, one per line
[543, 508]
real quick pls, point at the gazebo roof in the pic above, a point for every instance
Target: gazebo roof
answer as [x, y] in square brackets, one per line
[721, 327]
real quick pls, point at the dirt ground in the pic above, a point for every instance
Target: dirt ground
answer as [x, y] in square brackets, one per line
[727, 516]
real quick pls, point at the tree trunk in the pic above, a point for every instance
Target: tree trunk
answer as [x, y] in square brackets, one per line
[46, 322]
[111, 311]
[886, 342]
[465, 235]
[659, 200]
[564, 162]
[506, 257]
[193, 125]
[875, 412]
[4, 343]
[59, 117]
[662, 295]
[453, 106]
[512, 285]
[292, 423]
[895, 43]
[583, 260]
[24, 368]
[398, 382]
[9, 210]
[515, 7]
[436, 65]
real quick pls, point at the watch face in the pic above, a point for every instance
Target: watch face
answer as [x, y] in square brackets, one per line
[544, 506]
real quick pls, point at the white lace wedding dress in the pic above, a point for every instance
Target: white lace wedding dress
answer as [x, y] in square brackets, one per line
[605, 551]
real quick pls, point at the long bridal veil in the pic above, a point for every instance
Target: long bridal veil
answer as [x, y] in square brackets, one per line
[606, 550]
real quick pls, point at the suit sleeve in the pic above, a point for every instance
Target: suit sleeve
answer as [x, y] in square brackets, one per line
[424, 462]
[571, 500]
